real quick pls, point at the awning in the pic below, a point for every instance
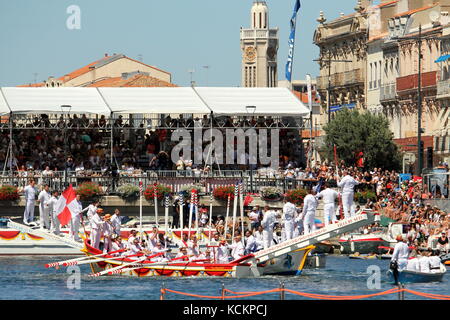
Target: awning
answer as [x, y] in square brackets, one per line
[4, 109]
[153, 100]
[443, 58]
[340, 107]
[252, 101]
[50, 100]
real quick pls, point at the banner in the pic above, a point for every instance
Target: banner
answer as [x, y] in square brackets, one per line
[292, 42]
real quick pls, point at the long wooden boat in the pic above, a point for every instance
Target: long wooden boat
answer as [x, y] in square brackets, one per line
[288, 264]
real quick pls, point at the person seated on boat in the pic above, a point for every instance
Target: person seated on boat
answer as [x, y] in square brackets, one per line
[401, 253]
[193, 247]
[135, 248]
[159, 249]
[182, 255]
[435, 261]
[251, 245]
[223, 252]
[237, 248]
[153, 238]
[117, 244]
[424, 261]
[183, 242]
[132, 236]
[413, 262]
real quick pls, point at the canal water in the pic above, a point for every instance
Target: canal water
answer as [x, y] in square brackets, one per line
[26, 278]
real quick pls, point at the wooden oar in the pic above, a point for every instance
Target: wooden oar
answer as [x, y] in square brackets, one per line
[59, 263]
[116, 268]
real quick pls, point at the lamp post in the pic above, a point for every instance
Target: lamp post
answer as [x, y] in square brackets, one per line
[251, 109]
[65, 110]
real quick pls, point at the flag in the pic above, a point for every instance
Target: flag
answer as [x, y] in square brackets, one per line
[292, 42]
[66, 205]
[248, 199]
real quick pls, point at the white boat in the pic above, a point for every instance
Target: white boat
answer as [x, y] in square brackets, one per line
[408, 276]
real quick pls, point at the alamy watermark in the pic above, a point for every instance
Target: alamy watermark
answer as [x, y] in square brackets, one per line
[74, 279]
[374, 280]
[73, 22]
[236, 142]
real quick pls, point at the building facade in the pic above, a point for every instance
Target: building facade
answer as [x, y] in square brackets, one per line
[259, 45]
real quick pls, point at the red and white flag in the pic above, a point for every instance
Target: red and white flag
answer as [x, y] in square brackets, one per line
[65, 207]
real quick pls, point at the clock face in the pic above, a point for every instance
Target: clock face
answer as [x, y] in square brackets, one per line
[250, 54]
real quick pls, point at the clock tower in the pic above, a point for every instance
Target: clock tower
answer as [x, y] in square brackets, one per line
[259, 46]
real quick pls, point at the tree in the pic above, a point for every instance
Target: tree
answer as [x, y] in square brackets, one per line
[356, 133]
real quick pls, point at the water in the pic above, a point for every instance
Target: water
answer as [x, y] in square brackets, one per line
[26, 278]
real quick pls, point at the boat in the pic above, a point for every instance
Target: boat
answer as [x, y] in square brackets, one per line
[446, 259]
[362, 243]
[289, 264]
[384, 256]
[362, 256]
[408, 276]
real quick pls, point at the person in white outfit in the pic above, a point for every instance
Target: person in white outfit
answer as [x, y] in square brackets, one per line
[435, 262]
[251, 245]
[116, 221]
[289, 211]
[268, 223]
[96, 229]
[51, 205]
[259, 238]
[108, 232]
[309, 212]
[347, 184]
[91, 209]
[43, 198]
[223, 253]
[401, 253]
[30, 199]
[298, 221]
[237, 248]
[76, 219]
[424, 262]
[413, 262]
[329, 197]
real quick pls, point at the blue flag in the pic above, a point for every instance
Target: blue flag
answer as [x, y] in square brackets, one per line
[292, 41]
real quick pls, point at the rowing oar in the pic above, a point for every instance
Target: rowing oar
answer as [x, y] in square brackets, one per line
[70, 261]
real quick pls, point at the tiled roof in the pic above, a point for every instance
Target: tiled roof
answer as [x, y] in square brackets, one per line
[138, 80]
[410, 12]
[303, 97]
[32, 85]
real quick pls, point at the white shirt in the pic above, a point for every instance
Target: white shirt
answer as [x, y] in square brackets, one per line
[309, 204]
[347, 184]
[435, 262]
[328, 195]
[413, 265]
[289, 211]
[107, 229]
[96, 222]
[223, 254]
[30, 193]
[116, 222]
[251, 245]
[78, 207]
[401, 251]
[51, 203]
[424, 263]
[269, 220]
[193, 248]
[237, 250]
[43, 197]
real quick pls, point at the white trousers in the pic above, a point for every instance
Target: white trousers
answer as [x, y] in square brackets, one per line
[347, 202]
[107, 244]
[267, 238]
[74, 228]
[329, 213]
[43, 216]
[28, 214]
[55, 227]
[308, 222]
[95, 238]
[289, 229]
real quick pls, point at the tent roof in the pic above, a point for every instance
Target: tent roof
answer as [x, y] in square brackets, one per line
[153, 100]
[222, 101]
[50, 100]
[268, 101]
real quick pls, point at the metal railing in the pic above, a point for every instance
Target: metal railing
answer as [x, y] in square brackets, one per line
[253, 181]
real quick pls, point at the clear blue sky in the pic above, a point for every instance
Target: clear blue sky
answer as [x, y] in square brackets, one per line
[175, 35]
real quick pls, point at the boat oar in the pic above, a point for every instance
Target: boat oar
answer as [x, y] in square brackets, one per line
[59, 263]
[109, 271]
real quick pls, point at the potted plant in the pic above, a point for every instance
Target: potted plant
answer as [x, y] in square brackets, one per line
[9, 193]
[161, 190]
[362, 196]
[296, 196]
[222, 193]
[128, 192]
[186, 191]
[271, 194]
[89, 191]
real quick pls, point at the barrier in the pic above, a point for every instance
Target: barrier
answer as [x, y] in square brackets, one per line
[282, 290]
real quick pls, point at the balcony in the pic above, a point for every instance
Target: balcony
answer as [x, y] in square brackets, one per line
[341, 79]
[259, 34]
[388, 92]
[443, 88]
[411, 82]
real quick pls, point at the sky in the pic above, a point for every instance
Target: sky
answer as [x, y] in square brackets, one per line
[177, 36]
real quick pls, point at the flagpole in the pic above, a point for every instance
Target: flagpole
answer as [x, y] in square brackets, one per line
[236, 191]
[210, 217]
[166, 214]
[191, 208]
[241, 202]
[181, 213]
[290, 62]
[226, 217]
[155, 195]
[140, 208]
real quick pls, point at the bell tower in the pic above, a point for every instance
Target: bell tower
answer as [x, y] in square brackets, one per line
[259, 46]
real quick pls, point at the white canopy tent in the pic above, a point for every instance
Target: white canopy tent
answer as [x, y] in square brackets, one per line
[144, 100]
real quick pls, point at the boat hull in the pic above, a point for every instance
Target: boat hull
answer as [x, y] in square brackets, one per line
[363, 245]
[407, 276]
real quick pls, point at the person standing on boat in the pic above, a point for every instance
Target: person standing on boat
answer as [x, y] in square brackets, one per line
[108, 232]
[289, 211]
[76, 218]
[193, 248]
[309, 212]
[347, 184]
[259, 238]
[116, 221]
[91, 209]
[43, 198]
[51, 204]
[96, 229]
[401, 253]
[30, 199]
[251, 245]
[329, 197]
[298, 221]
[268, 223]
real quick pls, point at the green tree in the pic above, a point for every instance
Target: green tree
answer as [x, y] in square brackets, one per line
[353, 132]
